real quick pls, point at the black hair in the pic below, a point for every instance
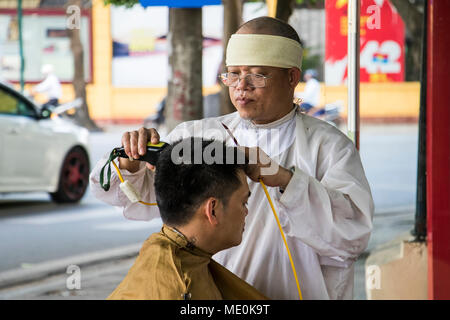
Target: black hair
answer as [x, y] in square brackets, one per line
[182, 186]
[271, 26]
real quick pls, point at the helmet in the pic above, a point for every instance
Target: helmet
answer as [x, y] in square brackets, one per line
[46, 69]
[311, 72]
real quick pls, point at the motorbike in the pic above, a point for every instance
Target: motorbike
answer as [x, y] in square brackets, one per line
[330, 113]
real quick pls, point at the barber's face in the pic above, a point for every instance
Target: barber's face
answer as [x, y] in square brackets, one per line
[267, 104]
[232, 217]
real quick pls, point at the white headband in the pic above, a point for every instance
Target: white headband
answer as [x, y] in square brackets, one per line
[263, 50]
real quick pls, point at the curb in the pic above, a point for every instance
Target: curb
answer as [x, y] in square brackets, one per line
[43, 270]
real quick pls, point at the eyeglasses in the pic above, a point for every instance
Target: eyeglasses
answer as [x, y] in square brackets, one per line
[253, 80]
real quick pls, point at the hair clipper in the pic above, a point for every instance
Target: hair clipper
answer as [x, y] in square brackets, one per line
[151, 155]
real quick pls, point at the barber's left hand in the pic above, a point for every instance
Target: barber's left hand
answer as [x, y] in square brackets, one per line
[263, 167]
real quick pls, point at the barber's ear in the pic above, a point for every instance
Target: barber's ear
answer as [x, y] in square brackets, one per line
[211, 206]
[294, 76]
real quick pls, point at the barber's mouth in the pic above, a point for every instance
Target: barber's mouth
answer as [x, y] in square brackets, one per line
[243, 101]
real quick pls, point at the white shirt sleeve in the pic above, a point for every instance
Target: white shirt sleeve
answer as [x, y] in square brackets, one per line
[43, 86]
[331, 214]
[312, 92]
[142, 180]
[50, 86]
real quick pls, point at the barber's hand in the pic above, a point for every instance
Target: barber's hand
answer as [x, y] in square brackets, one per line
[135, 145]
[263, 167]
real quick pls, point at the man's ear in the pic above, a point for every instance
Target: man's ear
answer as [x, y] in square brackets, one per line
[294, 76]
[210, 210]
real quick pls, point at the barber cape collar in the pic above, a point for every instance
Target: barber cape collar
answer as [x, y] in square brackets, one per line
[230, 286]
[263, 50]
[181, 241]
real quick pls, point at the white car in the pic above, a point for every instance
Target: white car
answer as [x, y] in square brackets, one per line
[40, 152]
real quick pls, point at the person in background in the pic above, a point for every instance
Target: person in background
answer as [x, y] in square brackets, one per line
[311, 95]
[50, 86]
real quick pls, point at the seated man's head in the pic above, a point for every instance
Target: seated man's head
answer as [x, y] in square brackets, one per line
[206, 202]
[270, 49]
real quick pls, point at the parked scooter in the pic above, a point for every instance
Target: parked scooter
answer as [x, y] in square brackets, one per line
[157, 119]
[211, 108]
[329, 113]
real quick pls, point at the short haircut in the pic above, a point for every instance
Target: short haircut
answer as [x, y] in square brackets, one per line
[271, 26]
[181, 188]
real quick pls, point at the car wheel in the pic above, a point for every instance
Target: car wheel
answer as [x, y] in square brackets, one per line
[74, 176]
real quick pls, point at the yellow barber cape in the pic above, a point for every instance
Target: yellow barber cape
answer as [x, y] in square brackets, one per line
[169, 267]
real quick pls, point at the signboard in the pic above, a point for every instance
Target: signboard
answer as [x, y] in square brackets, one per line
[45, 40]
[180, 3]
[140, 45]
[382, 47]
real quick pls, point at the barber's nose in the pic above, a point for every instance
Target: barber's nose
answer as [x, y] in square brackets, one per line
[242, 84]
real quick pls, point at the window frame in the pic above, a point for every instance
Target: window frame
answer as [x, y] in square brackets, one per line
[18, 96]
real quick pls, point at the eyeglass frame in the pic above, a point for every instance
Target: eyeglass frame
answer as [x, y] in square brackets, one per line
[239, 79]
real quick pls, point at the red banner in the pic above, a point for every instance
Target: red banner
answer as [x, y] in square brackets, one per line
[382, 55]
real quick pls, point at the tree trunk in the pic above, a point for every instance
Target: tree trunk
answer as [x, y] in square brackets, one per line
[413, 19]
[232, 19]
[285, 9]
[184, 98]
[81, 116]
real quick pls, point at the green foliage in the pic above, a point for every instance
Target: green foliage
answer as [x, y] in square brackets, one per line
[310, 61]
[126, 3]
[310, 3]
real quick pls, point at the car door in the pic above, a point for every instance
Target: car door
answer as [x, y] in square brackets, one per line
[23, 144]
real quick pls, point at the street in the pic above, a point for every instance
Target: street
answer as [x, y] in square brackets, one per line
[389, 157]
[34, 230]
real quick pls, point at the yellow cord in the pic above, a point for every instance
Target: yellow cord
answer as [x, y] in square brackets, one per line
[118, 171]
[121, 180]
[148, 204]
[284, 238]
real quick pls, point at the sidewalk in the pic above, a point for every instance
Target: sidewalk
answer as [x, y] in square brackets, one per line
[101, 272]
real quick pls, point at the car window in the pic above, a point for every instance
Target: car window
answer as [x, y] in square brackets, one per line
[10, 104]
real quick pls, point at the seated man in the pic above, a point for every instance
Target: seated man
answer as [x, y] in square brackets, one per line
[203, 208]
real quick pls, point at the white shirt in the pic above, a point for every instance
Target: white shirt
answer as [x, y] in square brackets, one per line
[326, 210]
[50, 86]
[311, 94]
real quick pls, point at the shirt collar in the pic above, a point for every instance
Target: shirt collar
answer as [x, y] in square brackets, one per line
[274, 124]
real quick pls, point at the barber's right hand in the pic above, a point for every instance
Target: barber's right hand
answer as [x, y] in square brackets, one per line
[135, 145]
